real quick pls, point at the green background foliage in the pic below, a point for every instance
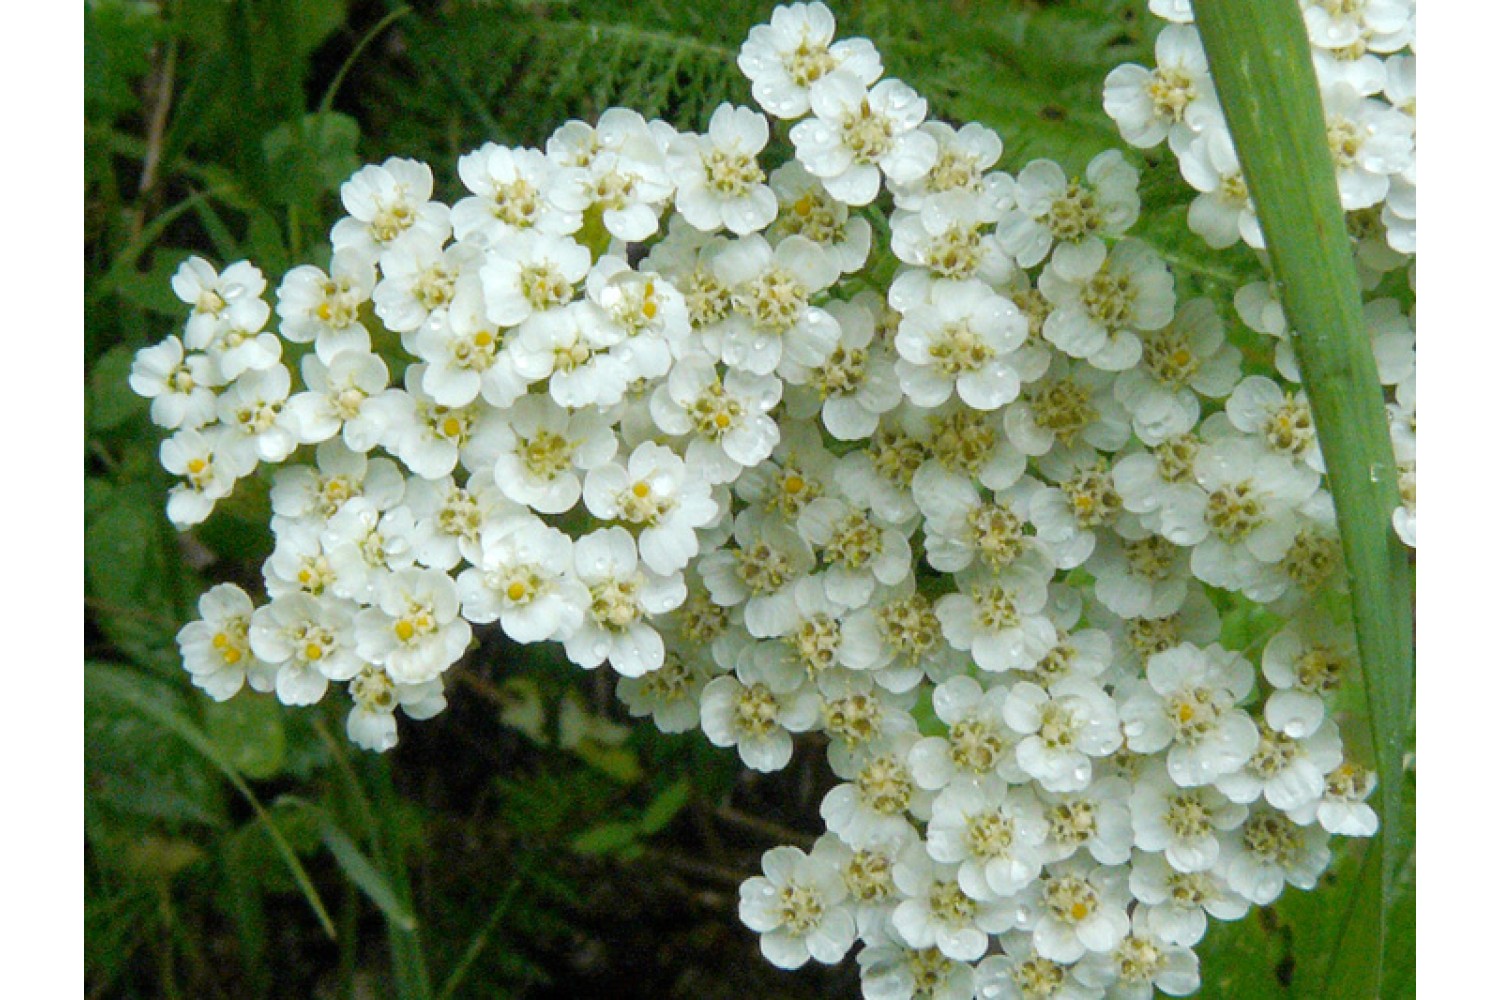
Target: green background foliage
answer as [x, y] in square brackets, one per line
[530, 840]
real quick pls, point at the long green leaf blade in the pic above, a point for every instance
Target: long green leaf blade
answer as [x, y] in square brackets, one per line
[1261, 62]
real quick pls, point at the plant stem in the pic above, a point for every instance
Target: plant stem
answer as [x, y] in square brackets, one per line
[1262, 67]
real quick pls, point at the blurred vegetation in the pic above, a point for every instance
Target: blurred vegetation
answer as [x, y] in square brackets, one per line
[527, 841]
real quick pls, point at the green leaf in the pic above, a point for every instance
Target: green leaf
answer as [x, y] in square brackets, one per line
[132, 689]
[311, 157]
[606, 838]
[366, 876]
[1262, 67]
[134, 768]
[249, 731]
[111, 400]
[131, 576]
[665, 807]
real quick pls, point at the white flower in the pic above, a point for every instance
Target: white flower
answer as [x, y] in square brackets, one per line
[181, 388]
[216, 647]
[449, 518]
[1188, 708]
[621, 596]
[857, 552]
[568, 349]
[719, 182]
[372, 720]
[1304, 670]
[539, 448]
[671, 694]
[744, 711]
[524, 578]
[240, 342]
[510, 192]
[1072, 403]
[993, 832]
[364, 544]
[860, 133]
[1288, 772]
[654, 493]
[1062, 729]
[528, 273]
[310, 640]
[962, 526]
[899, 637]
[1080, 908]
[1283, 418]
[1185, 824]
[1369, 140]
[313, 495]
[938, 913]
[727, 417]
[418, 276]
[1069, 516]
[961, 342]
[1138, 574]
[210, 293]
[253, 412]
[1096, 819]
[1176, 904]
[796, 908]
[963, 157]
[1021, 973]
[773, 323]
[1072, 214]
[1244, 517]
[888, 970]
[1172, 100]
[1222, 213]
[784, 58]
[999, 618]
[209, 463]
[947, 240]
[324, 308]
[872, 808]
[1140, 965]
[414, 631]
[759, 570]
[617, 169]
[385, 202]
[345, 396]
[855, 384]
[1181, 361]
[809, 211]
[1342, 810]
[977, 745]
[1099, 312]
[1271, 851]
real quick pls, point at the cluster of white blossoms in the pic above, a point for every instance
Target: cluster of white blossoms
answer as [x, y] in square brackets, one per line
[1364, 54]
[967, 501]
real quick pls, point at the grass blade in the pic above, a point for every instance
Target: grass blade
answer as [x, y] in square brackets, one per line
[365, 875]
[123, 686]
[1262, 67]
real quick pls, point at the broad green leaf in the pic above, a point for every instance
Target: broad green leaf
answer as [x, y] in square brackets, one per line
[1262, 67]
[135, 768]
[129, 688]
[132, 578]
[249, 731]
[311, 157]
[111, 400]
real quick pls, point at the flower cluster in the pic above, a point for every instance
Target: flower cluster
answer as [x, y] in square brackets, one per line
[1364, 54]
[969, 504]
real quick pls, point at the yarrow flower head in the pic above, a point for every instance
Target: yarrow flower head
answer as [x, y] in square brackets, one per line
[877, 451]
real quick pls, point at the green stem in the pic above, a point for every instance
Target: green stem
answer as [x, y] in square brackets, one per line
[1261, 63]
